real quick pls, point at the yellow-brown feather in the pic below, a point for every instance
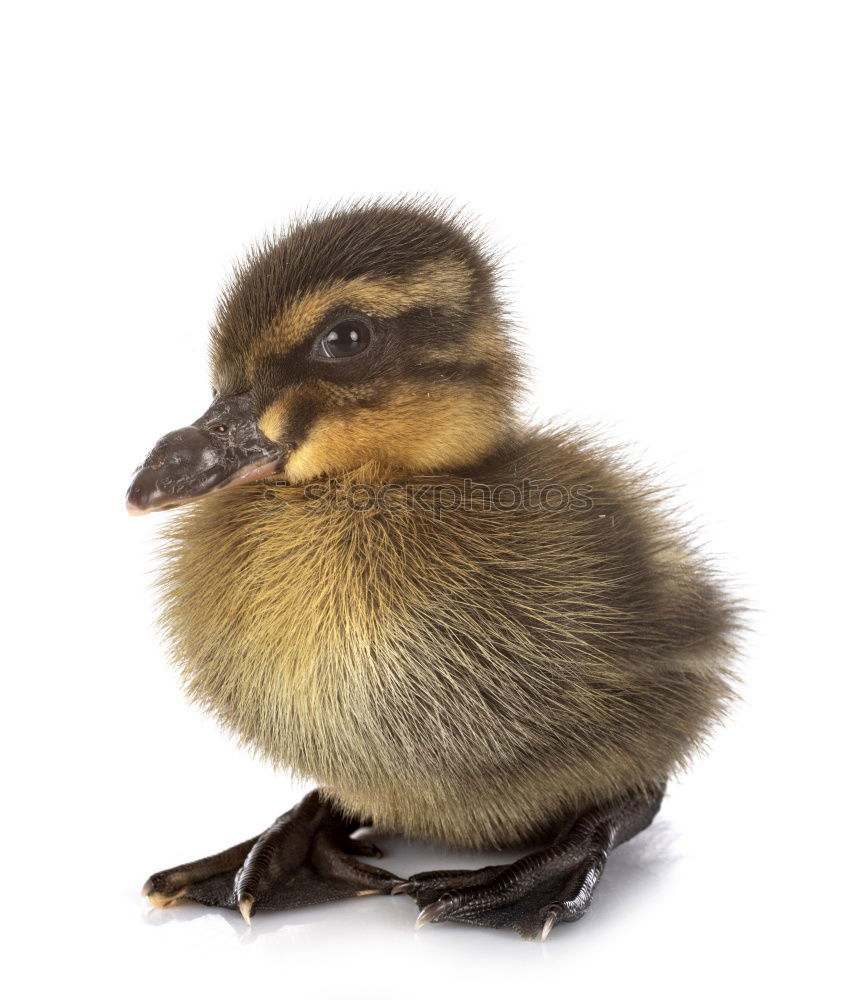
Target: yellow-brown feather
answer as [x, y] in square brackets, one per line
[467, 677]
[459, 431]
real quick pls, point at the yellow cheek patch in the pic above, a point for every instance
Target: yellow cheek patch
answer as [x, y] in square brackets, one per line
[416, 431]
[446, 284]
[272, 422]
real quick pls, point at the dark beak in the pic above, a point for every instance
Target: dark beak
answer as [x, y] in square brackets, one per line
[223, 448]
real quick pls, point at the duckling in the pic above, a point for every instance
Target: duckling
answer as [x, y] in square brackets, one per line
[463, 628]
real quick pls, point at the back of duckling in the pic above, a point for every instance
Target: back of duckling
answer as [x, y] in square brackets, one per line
[463, 629]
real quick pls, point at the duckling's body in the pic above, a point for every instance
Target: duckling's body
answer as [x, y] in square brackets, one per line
[463, 629]
[468, 676]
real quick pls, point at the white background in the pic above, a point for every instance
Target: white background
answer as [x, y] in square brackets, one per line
[668, 182]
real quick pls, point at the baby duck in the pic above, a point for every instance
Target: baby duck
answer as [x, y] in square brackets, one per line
[462, 628]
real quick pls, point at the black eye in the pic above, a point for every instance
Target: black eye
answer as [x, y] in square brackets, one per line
[345, 339]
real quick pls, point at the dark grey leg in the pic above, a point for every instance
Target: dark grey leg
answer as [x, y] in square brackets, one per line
[545, 888]
[306, 856]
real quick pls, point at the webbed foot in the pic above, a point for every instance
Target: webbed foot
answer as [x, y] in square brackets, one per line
[306, 856]
[545, 888]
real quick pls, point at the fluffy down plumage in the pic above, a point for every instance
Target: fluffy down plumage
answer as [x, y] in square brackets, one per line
[455, 672]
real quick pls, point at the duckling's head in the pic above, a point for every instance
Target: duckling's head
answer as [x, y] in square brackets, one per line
[368, 334]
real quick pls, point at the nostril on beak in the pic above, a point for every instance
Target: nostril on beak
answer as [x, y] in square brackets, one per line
[225, 447]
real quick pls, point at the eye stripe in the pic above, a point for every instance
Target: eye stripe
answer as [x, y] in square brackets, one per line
[301, 418]
[445, 284]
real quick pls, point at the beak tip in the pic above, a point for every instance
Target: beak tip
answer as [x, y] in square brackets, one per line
[193, 461]
[142, 495]
[135, 495]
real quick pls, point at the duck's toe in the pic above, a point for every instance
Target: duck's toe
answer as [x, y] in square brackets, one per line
[545, 888]
[304, 857]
